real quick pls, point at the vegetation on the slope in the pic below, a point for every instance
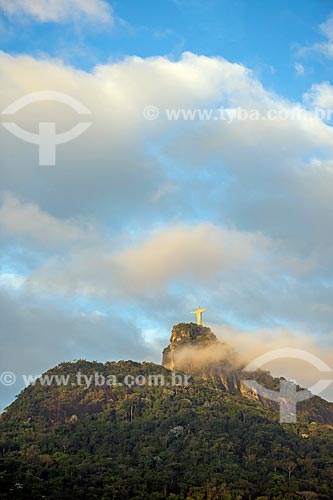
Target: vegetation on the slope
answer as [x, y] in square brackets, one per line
[153, 443]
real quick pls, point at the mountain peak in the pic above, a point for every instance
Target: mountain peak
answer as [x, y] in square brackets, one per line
[190, 338]
[192, 332]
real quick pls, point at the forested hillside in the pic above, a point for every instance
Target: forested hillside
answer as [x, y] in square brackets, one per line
[198, 441]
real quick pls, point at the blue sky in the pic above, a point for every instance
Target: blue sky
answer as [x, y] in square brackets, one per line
[140, 221]
[264, 36]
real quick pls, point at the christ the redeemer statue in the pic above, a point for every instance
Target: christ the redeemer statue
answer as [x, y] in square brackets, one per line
[198, 312]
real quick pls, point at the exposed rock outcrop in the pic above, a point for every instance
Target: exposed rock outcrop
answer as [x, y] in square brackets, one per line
[185, 336]
[195, 349]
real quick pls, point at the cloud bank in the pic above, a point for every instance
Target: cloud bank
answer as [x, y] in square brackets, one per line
[325, 47]
[59, 10]
[143, 220]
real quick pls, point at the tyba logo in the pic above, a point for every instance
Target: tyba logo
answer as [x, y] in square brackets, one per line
[47, 139]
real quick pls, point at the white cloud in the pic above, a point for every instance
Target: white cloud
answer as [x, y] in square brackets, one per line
[251, 344]
[199, 254]
[327, 28]
[112, 169]
[326, 47]
[320, 95]
[113, 173]
[270, 181]
[59, 10]
[299, 68]
[181, 254]
[11, 281]
[27, 222]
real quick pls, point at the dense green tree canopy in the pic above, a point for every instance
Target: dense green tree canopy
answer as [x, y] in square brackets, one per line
[197, 442]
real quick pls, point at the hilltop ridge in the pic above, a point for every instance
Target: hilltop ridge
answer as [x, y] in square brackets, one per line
[146, 437]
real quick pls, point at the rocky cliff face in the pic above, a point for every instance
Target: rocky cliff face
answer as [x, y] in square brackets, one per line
[184, 336]
[196, 350]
